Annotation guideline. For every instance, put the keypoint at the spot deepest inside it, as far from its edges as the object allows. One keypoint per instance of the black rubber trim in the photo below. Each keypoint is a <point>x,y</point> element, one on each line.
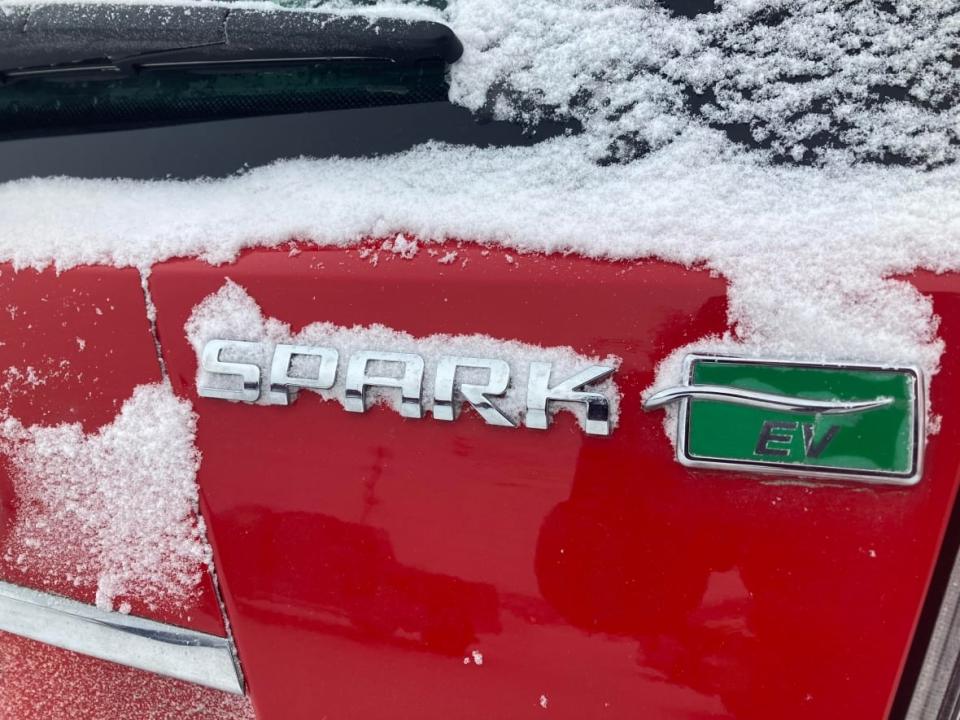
<point>65,35</point>
<point>928,616</point>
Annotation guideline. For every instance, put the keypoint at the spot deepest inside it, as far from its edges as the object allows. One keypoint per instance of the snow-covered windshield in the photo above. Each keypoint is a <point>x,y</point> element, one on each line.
<point>807,82</point>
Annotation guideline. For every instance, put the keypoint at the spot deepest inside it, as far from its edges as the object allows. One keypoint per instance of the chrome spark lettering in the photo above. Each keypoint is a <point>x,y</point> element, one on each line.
<point>237,364</point>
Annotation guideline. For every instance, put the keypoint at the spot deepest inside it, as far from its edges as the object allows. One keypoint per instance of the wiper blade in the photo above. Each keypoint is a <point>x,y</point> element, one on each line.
<point>106,69</point>
<point>70,40</point>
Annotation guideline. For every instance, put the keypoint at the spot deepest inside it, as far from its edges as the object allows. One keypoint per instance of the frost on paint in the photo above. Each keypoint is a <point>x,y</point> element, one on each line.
<point>231,313</point>
<point>40,682</point>
<point>115,509</point>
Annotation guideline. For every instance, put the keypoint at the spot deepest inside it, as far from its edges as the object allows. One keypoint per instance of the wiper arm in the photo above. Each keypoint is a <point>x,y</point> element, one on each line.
<point>83,40</point>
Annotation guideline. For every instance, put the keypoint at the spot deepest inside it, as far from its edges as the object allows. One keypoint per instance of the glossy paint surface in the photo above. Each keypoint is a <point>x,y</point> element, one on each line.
<point>73,346</point>
<point>381,567</point>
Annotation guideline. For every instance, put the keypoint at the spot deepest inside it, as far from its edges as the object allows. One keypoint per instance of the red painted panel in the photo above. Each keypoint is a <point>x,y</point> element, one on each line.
<point>40,682</point>
<point>73,346</point>
<point>365,557</point>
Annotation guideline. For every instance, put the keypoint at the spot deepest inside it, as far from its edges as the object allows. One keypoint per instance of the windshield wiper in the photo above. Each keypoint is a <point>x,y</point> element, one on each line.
<point>73,68</point>
<point>65,39</point>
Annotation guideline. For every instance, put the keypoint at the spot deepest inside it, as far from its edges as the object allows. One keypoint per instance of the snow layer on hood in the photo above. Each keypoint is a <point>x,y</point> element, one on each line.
<point>115,509</point>
<point>807,251</point>
<point>230,313</point>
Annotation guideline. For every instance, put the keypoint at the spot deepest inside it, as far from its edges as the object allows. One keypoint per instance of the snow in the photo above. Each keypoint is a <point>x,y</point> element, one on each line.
<point>400,9</point>
<point>230,313</point>
<point>878,76</point>
<point>115,509</point>
<point>400,245</point>
<point>808,252</point>
<point>15,381</point>
<point>475,657</point>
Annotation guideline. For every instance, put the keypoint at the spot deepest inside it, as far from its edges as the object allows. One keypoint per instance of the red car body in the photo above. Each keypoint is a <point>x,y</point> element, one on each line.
<point>373,566</point>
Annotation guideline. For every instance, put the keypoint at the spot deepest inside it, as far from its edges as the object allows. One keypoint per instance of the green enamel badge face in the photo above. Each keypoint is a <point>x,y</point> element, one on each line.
<point>840,421</point>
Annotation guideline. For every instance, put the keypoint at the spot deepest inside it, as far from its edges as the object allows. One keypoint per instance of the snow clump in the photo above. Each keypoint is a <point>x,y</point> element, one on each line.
<point>115,509</point>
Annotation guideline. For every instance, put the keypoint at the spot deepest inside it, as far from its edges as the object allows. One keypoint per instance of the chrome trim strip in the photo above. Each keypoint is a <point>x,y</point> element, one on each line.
<point>145,644</point>
<point>771,401</point>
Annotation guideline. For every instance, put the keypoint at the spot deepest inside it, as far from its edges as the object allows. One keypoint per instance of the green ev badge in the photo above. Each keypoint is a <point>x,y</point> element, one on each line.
<point>843,421</point>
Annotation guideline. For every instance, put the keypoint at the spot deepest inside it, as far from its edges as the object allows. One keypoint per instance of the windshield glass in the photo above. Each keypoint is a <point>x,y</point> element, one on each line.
<point>156,96</point>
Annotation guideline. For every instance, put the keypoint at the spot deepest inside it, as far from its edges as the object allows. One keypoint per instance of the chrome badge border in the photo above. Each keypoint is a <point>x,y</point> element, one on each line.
<point>799,471</point>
